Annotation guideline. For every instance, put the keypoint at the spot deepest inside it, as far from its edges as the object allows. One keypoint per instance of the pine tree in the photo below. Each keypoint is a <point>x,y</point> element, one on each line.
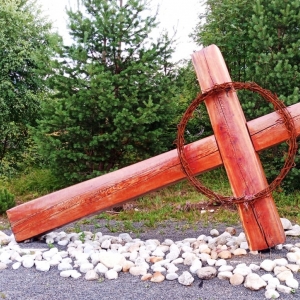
<point>260,42</point>
<point>113,92</point>
<point>25,50</point>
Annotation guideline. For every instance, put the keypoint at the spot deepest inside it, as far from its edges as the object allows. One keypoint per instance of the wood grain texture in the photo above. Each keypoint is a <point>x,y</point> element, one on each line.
<point>62,207</point>
<point>75,202</point>
<point>260,220</point>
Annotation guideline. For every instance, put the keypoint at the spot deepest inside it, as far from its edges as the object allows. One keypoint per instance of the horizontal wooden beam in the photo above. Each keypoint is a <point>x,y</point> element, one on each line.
<point>70,204</point>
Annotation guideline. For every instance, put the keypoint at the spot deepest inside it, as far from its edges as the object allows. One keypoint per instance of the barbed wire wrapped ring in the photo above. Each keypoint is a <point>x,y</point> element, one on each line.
<point>285,117</point>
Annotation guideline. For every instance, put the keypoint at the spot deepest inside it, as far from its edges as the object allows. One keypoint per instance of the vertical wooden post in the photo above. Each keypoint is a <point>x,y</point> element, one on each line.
<point>261,221</point>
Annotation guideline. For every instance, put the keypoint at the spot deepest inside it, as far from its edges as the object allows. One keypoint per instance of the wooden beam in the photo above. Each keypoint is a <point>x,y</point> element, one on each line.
<point>260,219</point>
<point>67,205</point>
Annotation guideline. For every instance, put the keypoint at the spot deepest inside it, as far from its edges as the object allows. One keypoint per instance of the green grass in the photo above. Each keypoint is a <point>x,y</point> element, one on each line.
<point>33,184</point>
<point>180,202</point>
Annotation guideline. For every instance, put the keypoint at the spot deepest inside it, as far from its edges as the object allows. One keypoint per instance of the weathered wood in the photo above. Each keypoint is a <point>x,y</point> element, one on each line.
<point>260,220</point>
<point>64,206</point>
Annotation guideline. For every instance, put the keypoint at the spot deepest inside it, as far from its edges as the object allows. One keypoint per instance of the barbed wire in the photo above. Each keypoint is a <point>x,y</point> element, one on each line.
<point>285,117</point>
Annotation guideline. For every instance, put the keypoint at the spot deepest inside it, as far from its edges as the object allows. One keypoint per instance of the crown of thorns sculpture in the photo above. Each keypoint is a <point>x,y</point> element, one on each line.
<point>285,117</point>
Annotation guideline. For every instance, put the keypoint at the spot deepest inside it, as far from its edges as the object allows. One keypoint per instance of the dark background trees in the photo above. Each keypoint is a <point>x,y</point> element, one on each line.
<point>260,42</point>
<point>113,92</point>
<point>25,50</point>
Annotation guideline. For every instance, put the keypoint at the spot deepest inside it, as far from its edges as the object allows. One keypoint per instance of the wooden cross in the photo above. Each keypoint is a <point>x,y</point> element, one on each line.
<point>234,145</point>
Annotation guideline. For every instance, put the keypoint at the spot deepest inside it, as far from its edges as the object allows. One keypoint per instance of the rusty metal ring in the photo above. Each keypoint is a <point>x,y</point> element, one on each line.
<point>285,117</point>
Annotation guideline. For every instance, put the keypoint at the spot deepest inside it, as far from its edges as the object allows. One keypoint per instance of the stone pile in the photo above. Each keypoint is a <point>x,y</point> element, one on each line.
<point>96,256</point>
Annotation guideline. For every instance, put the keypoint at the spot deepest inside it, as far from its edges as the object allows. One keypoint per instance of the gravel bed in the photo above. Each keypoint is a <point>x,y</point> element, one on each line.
<point>30,284</point>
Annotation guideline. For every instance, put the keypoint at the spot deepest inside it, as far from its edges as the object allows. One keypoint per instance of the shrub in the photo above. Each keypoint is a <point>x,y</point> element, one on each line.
<point>7,200</point>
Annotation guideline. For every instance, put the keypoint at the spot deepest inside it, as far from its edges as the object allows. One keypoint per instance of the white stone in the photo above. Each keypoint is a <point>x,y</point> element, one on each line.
<point>283,276</point>
<point>125,237</point>
<point>239,251</point>
<point>225,275</point>
<point>110,259</point>
<point>225,268</point>
<point>201,237</point>
<point>158,252</point>
<point>268,265</point>
<point>286,224</point>
<point>211,262</point>
<point>196,265</point>
<point>189,258</point>
<point>274,281</point>
<point>64,266</point>
<point>243,270</point>
<point>4,239</point>
<point>281,261</point>
<point>236,279</point>
<point>168,242</point>
<point>85,267</point>
<point>293,268</point>
<point>5,257</point>
<point>2,266</point>
<point>159,268</point>
<point>284,289</point>
<point>292,283</point>
<point>63,242</point>
<point>137,271</point>
<point>279,269</point>
<point>254,282</point>
<point>288,246</point>
<point>43,266</point>
<point>28,262</point>
<point>293,256</point>
<point>204,256</point>
<point>220,262</point>
<point>74,274</point>
<point>133,255</point>
<point>91,275</point>
<point>66,273</point>
<point>244,245</point>
<point>163,248</point>
<point>267,277</point>
<point>203,248</point>
<point>171,276</point>
<point>117,268</point>
<point>271,294</point>
<point>207,273</point>
<point>294,231</point>
<point>58,257</point>
<point>177,261</point>
<point>186,278</point>
<point>106,244</point>
<point>100,268</point>
<point>214,232</point>
<point>16,265</point>
<point>172,255</point>
<point>254,267</point>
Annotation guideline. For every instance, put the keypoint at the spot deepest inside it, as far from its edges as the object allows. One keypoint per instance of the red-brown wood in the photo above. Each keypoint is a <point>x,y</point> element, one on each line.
<point>59,208</point>
<point>260,220</point>
<point>62,207</point>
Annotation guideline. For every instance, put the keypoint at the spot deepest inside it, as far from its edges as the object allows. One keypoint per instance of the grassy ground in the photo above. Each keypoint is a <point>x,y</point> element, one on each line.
<point>180,202</point>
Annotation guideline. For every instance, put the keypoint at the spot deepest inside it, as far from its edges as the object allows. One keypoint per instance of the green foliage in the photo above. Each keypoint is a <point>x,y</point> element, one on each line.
<point>187,90</point>
<point>25,41</point>
<point>34,183</point>
<point>7,200</point>
<point>260,42</point>
<point>113,101</point>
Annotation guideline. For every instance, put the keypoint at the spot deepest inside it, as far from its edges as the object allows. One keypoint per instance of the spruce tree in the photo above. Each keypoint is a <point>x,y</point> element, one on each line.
<point>25,49</point>
<point>260,42</point>
<point>112,102</point>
